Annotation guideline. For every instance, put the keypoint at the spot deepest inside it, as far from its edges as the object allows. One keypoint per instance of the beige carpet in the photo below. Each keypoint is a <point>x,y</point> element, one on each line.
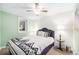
<point>52,51</point>
<point>55,51</point>
<point>4,51</point>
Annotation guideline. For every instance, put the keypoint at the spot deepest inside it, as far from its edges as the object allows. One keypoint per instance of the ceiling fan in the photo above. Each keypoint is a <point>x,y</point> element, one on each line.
<point>37,7</point>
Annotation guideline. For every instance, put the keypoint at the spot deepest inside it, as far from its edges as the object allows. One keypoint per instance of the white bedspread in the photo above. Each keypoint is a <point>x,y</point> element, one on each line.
<point>40,42</point>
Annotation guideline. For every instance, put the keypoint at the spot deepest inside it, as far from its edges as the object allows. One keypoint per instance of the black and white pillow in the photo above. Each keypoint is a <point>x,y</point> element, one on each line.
<point>24,41</point>
<point>15,39</point>
<point>29,44</point>
<point>33,51</point>
<point>28,48</point>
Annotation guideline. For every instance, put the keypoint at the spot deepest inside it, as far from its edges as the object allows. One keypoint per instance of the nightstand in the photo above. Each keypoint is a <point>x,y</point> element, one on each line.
<point>60,48</point>
<point>60,44</point>
<point>60,41</point>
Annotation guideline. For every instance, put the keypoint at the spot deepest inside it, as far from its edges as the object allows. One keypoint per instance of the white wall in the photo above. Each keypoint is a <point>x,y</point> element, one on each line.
<point>33,25</point>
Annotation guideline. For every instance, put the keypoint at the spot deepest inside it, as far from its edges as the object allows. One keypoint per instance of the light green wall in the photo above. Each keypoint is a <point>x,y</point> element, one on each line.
<point>9,28</point>
<point>76,37</point>
<point>76,41</point>
<point>0,29</point>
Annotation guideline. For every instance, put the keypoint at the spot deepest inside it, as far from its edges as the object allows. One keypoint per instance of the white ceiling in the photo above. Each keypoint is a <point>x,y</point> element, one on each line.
<point>19,9</point>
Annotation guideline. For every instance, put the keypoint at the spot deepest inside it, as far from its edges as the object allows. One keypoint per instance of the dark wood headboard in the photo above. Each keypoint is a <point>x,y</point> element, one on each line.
<point>51,32</point>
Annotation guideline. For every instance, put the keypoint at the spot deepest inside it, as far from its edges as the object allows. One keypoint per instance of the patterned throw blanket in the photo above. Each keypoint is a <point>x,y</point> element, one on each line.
<point>31,45</point>
<point>26,47</point>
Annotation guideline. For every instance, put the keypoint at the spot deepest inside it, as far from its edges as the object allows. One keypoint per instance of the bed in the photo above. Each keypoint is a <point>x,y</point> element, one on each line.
<point>32,45</point>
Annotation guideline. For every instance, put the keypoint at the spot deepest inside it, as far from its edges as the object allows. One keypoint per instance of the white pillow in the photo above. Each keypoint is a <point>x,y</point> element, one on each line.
<point>44,34</point>
<point>40,33</point>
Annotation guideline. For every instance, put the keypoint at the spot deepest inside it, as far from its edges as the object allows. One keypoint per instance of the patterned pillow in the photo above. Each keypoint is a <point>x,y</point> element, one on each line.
<point>15,39</point>
<point>29,44</point>
<point>19,41</point>
<point>28,48</point>
<point>35,50</point>
<point>24,41</point>
<point>32,50</point>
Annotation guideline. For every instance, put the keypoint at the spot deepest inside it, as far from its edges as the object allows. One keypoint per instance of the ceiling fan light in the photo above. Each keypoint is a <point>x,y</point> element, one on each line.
<point>36,12</point>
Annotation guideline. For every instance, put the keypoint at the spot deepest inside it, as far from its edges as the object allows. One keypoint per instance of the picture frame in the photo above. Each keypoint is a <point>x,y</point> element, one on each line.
<point>22,25</point>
